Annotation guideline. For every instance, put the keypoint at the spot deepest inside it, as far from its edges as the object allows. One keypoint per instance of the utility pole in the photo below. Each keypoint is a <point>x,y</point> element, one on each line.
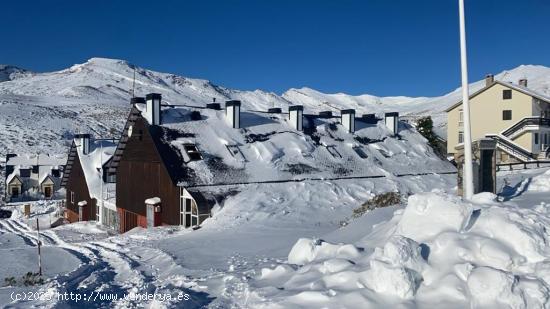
<point>468,179</point>
<point>38,244</point>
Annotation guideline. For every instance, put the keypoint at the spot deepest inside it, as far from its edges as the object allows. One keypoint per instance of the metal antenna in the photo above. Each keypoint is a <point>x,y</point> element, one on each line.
<point>134,84</point>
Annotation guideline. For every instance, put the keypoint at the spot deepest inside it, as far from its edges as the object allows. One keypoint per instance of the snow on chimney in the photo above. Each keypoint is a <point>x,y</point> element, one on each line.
<point>523,82</point>
<point>348,119</point>
<point>136,100</point>
<point>83,141</point>
<point>489,80</point>
<point>233,113</point>
<point>392,121</point>
<point>152,108</point>
<point>295,115</point>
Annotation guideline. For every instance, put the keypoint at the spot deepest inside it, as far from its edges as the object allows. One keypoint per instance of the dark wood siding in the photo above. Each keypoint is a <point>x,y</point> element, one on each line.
<point>141,174</point>
<point>77,183</point>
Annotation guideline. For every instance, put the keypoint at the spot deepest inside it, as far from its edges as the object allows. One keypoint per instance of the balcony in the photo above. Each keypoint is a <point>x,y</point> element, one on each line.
<point>526,124</point>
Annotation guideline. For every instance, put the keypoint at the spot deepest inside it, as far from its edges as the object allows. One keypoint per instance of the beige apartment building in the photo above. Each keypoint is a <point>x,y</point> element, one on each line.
<point>517,117</point>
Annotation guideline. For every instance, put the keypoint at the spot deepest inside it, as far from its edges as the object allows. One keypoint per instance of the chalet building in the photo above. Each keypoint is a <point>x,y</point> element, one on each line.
<point>515,116</point>
<point>174,164</point>
<point>89,186</point>
<point>33,177</point>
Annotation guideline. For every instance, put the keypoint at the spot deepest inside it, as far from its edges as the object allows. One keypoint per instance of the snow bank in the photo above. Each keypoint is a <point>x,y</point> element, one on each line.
<point>540,183</point>
<point>438,251</point>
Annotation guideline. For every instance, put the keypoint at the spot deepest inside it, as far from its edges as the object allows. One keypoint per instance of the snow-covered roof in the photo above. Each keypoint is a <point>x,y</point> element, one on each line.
<point>268,149</point>
<point>13,176</point>
<point>36,159</point>
<point>100,152</point>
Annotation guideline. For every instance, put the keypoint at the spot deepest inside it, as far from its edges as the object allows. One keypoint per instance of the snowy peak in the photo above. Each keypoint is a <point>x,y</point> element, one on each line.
<point>9,72</point>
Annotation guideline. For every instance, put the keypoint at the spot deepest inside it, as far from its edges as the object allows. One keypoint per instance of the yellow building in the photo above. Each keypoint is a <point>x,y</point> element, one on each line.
<point>517,117</point>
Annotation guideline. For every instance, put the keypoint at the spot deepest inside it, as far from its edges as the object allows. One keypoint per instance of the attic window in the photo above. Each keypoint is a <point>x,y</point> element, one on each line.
<point>332,150</point>
<point>360,152</point>
<point>235,152</point>
<point>192,152</point>
<point>507,94</point>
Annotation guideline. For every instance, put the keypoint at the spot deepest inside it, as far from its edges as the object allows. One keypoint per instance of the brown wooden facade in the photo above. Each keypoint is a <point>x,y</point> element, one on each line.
<point>77,191</point>
<point>141,174</point>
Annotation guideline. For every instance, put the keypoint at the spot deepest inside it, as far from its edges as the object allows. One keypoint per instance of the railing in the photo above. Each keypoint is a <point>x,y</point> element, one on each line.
<point>512,148</point>
<point>527,121</point>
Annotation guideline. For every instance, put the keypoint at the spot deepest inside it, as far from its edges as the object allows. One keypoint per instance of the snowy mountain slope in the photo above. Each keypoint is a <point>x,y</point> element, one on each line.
<point>9,72</point>
<point>110,80</point>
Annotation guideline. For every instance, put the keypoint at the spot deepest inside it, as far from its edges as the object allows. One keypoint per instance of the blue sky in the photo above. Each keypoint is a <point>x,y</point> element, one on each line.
<point>400,47</point>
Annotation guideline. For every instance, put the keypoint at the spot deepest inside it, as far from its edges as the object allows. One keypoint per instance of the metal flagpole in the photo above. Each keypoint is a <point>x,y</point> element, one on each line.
<point>468,179</point>
<point>100,212</point>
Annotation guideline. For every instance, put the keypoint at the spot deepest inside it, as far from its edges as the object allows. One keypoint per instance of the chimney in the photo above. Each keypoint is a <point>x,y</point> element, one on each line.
<point>214,105</point>
<point>348,119</point>
<point>295,115</point>
<point>152,108</point>
<point>136,100</point>
<point>83,141</point>
<point>233,113</point>
<point>523,82</point>
<point>489,80</point>
<point>392,121</point>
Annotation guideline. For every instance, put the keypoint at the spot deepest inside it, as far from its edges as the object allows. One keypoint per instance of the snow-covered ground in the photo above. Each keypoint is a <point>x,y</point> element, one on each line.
<point>299,247</point>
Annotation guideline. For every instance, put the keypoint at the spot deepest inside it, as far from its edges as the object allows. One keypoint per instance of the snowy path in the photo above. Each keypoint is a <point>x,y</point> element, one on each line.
<point>111,268</point>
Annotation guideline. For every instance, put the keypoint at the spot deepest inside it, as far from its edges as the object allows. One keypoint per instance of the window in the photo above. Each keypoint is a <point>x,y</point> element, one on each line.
<point>507,94</point>
<point>334,152</point>
<point>35,169</point>
<point>460,118</point>
<point>72,197</point>
<point>56,173</point>
<point>189,215</point>
<point>14,191</point>
<point>192,152</point>
<point>507,115</point>
<point>536,135</point>
<point>460,137</point>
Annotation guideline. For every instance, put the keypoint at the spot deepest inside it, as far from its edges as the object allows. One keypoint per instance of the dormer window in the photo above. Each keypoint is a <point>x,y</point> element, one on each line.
<point>192,152</point>
<point>507,94</point>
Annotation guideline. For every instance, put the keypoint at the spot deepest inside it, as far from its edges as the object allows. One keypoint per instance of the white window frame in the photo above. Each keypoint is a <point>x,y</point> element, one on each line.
<point>182,207</point>
<point>460,137</point>
<point>460,118</point>
<point>184,212</point>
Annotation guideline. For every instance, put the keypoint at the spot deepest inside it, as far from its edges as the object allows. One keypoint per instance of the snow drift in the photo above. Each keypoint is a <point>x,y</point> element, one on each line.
<point>438,251</point>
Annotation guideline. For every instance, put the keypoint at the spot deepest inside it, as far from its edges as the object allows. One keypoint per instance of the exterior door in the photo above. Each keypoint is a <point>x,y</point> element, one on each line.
<point>48,192</point>
<point>150,216</point>
<point>15,192</point>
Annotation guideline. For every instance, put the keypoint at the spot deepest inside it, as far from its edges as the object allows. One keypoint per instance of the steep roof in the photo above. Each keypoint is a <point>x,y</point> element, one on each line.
<point>268,149</point>
<point>525,90</point>
<point>100,152</point>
